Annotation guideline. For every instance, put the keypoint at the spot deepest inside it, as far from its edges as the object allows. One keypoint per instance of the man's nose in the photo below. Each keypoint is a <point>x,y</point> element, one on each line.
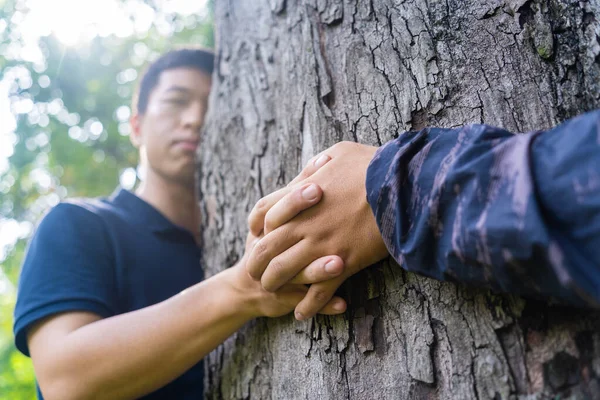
<point>193,116</point>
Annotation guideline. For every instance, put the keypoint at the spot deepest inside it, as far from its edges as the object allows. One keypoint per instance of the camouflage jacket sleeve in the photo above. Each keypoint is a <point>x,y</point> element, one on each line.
<point>513,212</point>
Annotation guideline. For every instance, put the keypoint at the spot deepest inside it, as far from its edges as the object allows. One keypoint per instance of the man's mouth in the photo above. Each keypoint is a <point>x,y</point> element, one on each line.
<point>186,145</point>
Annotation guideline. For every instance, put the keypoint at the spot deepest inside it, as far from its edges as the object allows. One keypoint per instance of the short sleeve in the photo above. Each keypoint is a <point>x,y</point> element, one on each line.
<point>69,266</point>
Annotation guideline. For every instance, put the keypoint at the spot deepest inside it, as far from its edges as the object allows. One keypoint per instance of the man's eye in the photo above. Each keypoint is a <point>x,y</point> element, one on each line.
<point>177,101</point>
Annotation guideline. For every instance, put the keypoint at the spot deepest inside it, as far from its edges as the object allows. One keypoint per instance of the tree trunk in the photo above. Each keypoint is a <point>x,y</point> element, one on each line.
<point>295,77</point>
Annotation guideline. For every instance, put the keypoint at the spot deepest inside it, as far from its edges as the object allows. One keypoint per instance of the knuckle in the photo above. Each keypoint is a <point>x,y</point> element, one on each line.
<point>261,205</point>
<point>276,267</point>
<point>311,218</point>
<point>320,295</point>
<point>260,251</point>
<point>285,233</point>
<point>345,145</point>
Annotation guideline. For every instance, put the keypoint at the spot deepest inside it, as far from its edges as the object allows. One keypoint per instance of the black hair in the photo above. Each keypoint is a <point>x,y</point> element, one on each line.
<point>200,59</point>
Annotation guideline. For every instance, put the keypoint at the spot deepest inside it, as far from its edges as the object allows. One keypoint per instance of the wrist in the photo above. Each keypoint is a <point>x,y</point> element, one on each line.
<point>242,292</point>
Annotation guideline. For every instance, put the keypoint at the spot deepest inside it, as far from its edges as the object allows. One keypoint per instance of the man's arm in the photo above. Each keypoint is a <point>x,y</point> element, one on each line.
<point>480,205</point>
<point>79,354</point>
<point>517,213</point>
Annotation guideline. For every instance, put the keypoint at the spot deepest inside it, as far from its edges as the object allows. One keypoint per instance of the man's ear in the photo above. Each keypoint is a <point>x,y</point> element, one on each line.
<point>136,130</point>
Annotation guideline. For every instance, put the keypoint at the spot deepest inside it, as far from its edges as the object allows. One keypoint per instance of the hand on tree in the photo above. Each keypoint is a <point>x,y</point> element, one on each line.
<point>262,303</point>
<point>282,301</point>
<point>341,223</point>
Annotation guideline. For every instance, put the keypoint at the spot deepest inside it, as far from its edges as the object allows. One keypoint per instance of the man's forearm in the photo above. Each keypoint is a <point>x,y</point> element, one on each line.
<point>477,204</point>
<point>132,354</point>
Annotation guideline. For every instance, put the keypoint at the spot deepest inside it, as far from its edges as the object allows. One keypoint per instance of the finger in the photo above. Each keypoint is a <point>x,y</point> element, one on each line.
<point>257,215</point>
<point>256,219</point>
<point>335,306</point>
<point>316,298</point>
<point>311,167</point>
<point>291,205</point>
<point>267,248</point>
<point>285,266</point>
<point>251,241</point>
<point>320,270</point>
<point>291,295</point>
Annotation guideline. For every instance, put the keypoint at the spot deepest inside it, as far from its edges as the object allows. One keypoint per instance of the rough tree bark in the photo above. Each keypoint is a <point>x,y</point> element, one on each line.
<point>295,77</point>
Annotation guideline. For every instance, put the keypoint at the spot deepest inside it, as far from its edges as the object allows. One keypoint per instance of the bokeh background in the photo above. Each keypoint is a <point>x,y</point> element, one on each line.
<point>67,72</point>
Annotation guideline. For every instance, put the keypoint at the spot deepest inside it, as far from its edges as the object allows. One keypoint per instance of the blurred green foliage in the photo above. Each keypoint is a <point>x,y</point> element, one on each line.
<point>71,137</point>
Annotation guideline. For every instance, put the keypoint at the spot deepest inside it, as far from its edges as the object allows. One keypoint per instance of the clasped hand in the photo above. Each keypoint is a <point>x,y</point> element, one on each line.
<point>319,230</point>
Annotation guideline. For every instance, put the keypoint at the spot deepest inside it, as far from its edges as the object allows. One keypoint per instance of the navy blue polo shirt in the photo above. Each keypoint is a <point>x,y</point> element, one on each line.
<point>107,256</point>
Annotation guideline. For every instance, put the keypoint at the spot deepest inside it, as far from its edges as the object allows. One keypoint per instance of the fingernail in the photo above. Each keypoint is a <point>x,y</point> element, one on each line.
<point>322,160</point>
<point>332,267</point>
<point>310,192</point>
<point>299,316</point>
<point>339,305</point>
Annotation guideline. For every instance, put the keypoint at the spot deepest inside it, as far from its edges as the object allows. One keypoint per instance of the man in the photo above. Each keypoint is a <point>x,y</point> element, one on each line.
<point>111,301</point>
<point>476,204</point>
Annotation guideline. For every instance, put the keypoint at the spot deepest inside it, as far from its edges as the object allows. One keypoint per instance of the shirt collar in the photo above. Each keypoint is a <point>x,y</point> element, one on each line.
<point>141,212</point>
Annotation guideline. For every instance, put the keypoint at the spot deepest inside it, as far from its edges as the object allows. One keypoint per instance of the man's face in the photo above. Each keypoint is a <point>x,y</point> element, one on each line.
<point>169,131</point>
